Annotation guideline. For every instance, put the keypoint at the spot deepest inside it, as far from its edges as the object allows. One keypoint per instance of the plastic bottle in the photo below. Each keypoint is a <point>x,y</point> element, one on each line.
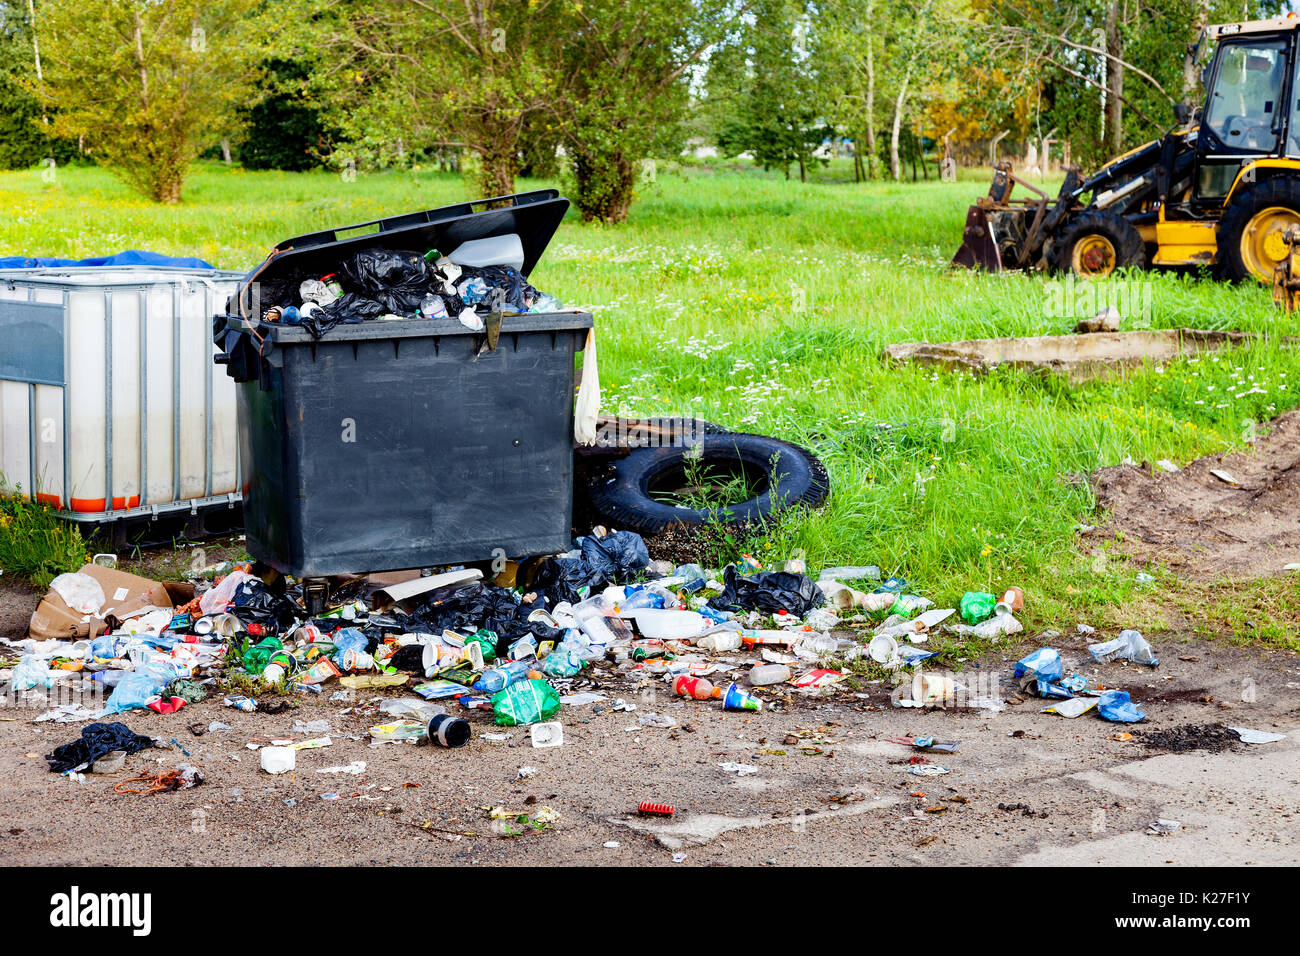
<point>433,307</point>
<point>720,641</point>
<point>696,687</point>
<point>497,678</point>
<point>598,621</point>
<point>1130,645</point>
<point>641,598</point>
<point>694,576</point>
<point>765,674</point>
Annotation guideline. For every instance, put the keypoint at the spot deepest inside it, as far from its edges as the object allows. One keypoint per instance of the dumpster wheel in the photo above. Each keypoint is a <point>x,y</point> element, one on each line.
<point>731,478</point>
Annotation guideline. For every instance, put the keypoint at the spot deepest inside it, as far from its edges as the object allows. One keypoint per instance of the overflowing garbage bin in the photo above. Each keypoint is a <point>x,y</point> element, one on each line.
<point>406,433</point>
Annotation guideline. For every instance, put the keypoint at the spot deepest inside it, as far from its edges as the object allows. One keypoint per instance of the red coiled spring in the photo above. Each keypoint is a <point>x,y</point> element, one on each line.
<point>649,809</point>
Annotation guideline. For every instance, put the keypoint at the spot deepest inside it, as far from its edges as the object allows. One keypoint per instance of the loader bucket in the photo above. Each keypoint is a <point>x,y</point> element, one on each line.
<point>979,248</point>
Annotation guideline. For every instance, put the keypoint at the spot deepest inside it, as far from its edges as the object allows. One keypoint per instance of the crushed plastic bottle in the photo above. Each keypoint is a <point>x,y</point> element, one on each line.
<point>1129,646</point>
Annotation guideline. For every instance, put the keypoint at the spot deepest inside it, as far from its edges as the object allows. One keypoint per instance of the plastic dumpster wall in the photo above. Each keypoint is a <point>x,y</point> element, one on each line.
<point>407,444</point>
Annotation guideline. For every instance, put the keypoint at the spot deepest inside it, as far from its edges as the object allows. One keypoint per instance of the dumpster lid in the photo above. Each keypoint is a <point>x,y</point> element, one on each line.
<point>533,216</point>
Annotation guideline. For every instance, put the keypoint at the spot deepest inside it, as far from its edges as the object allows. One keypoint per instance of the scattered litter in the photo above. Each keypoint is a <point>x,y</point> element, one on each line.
<point>1164,827</point>
<point>656,720</point>
<point>739,769</point>
<point>926,770</point>
<point>1073,707</point>
<point>1249,736</point>
<point>547,735</point>
<point>1129,646</point>
<point>355,768</point>
<point>278,760</point>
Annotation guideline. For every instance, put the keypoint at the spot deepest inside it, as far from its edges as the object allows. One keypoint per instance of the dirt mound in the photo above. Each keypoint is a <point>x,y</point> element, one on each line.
<point>1203,526</point>
<point>1211,737</point>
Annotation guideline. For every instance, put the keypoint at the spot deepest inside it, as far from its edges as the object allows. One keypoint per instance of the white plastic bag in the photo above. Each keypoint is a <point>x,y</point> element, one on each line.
<point>588,406</point>
<point>31,672</point>
<point>79,591</point>
<point>218,597</point>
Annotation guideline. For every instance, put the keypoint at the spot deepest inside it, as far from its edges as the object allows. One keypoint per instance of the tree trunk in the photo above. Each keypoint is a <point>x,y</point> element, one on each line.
<point>1115,78</point>
<point>225,151</point>
<point>871,103</point>
<point>1191,76</point>
<point>36,58</point>
<point>803,174</point>
<point>895,166</point>
<point>604,186</point>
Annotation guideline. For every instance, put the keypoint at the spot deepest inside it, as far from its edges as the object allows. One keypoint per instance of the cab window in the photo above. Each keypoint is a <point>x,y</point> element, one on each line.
<point>1244,106</point>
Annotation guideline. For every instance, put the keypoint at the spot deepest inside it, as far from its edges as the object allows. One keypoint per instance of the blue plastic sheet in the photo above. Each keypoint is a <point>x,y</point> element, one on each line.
<point>1116,706</point>
<point>131,257</point>
<point>1044,664</point>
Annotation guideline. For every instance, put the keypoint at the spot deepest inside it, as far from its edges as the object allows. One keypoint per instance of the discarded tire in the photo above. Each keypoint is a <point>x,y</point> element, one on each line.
<point>636,492</point>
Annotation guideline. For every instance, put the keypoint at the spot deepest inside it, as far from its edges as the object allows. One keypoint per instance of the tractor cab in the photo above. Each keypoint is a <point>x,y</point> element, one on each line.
<point>1252,104</point>
<point>1221,189</point>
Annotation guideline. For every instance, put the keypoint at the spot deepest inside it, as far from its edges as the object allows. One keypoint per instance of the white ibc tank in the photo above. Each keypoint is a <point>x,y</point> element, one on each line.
<point>108,397</point>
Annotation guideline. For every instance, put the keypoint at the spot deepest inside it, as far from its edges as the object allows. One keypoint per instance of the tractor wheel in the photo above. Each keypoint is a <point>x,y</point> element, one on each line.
<point>1095,243</point>
<point>1251,230</point>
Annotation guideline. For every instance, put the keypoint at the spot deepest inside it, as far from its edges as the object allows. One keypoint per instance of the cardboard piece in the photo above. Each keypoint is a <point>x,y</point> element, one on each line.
<point>408,593</point>
<point>125,595</point>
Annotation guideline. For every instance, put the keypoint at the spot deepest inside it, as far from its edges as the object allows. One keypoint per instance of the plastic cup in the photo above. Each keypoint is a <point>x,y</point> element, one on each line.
<point>882,649</point>
<point>737,699</point>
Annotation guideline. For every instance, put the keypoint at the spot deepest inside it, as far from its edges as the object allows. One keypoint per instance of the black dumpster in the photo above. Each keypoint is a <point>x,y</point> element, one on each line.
<point>402,444</point>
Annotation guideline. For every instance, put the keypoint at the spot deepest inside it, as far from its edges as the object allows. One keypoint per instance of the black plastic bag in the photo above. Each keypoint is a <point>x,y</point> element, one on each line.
<point>558,580</point>
<point>349,308</point>
<point>617,557</point>
<point>396,280</point>
<point>515,287</point>
<point>769,592</point>
<point>254,603</point>
<point>409,659</point>
<point>96,741</point>
<point>480,605</point>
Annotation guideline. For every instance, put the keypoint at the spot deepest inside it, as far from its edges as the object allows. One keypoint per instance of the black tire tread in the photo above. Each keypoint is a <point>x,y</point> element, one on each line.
<point>614,498</point>
<point>1130,250</point>
<point>1274,191</point>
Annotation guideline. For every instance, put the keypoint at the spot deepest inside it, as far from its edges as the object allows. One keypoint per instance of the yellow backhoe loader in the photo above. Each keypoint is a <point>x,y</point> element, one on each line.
<point>1220,189</point>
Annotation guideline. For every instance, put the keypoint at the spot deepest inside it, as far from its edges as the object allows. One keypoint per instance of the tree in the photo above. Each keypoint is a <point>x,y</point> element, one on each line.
<point>406,76</point>
<point>283,128</point>
<point>24,128</point>
<point>850,42</point>
<point>766,82</point>
<point>145,82</point>
<point>625,69</point>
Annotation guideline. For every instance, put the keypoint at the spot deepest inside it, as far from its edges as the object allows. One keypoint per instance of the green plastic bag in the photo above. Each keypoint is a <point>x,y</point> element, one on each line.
<point>257,656</point>
<point>525,702</point>
<point>487,640</point>
<point>977,606</point>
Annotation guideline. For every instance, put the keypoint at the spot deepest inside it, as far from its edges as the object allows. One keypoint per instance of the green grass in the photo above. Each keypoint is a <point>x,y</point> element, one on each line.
<point>762,305</point>
<point>36,544</point>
